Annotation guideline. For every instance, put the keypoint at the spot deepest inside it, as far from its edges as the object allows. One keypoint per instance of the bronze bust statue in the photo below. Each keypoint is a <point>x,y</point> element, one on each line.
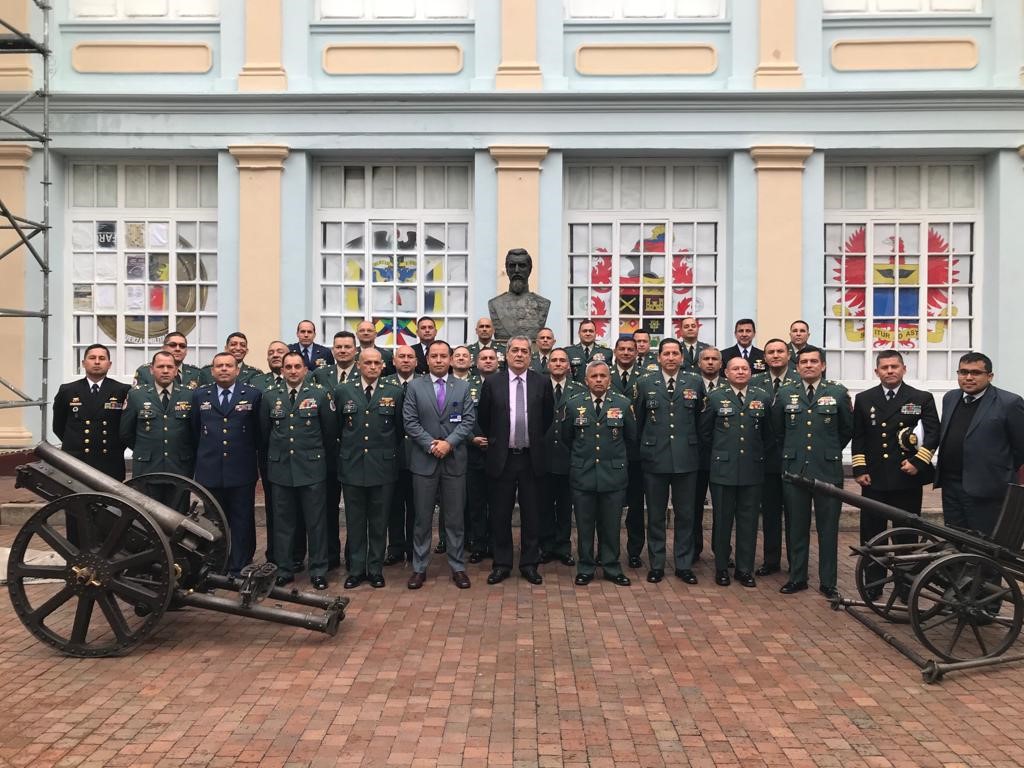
<point>518,311</point>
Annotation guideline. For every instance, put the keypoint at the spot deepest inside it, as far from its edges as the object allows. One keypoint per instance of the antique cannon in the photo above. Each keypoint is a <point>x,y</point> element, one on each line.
<point>111,544</point>
<point>959,590</point>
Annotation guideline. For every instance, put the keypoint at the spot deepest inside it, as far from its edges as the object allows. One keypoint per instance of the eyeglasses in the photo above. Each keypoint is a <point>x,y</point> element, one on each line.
<point>177,344</point>
<point>971,372</point>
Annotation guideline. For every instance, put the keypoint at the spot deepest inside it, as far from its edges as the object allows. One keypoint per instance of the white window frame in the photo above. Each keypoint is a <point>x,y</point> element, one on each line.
<point>176,11</point>
<point>649,10</point>
<point>329,323</point>
<point>887,7</point>
<point>618,217</point>
<point>121,369</point>
<point>423,12</point>
<point>922,216</point>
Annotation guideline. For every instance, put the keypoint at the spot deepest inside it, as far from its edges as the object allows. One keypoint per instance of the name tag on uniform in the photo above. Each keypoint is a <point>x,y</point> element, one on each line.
<point>911,410</point>
<point>793,408</point>
<point>113,405</point>
<point>243,406</point>
<point>725,410</point>
<point>455,418</point>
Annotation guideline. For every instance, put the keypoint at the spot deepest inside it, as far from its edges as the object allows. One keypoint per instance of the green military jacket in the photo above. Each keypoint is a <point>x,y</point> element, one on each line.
<point>370,433</point>
<point>765,381</point>
<point>267,381</point>
<point>245,375</point>
<point>407,444</point>
<point>188,376</point>
<point>668,427</point>
<point>327,376</point>
<point>649,362</point>
<point>739,435</point>
<point>298,437</point>
<point>474,349</point>
<point>556,449</point>
<point>386,356</point>
<point>814,434</point>
<point>773,450</point>
<point>579,359</point>
<point>161,440</point>
<point>598,442</point>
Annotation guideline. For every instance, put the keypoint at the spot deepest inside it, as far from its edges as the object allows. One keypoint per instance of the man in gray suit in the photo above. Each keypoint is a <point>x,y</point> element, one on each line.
<point>439,416</point>
<point>981,446</point>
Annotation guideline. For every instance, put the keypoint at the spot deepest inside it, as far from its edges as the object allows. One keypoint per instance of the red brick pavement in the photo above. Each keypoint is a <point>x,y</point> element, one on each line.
<point>511,675</point>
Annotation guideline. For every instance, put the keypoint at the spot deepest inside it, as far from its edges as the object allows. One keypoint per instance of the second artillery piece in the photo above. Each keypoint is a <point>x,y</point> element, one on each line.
<point>959,590</point>
<point>101,544</point>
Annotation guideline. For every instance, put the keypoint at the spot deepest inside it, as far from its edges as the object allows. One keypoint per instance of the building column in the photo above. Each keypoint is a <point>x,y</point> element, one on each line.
<point>263,70</point>
<point>16,68</point>
<point>518,69</point>
<point>259,240</point>
<point>777,65</point>
<point>14,160</point>
<point>518,169</point>
<point>779,232</point>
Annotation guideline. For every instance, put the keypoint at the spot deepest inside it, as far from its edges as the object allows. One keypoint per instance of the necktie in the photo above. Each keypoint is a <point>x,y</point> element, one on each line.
<point>744,354</point>
<point>291,396</point>
<point>810,392</point>
<point>597,406</point>
<point>405,385</point>
<point>544,362</point>
<point>775,384</point>
<point>519,428</point>
<point>625,379</point>
<point>739,396</point>
<point>439,388</point>
<point>164,398</point>
<point>689,354</point>
<point>95,389</point>
<point>277,381</point>
<point>369,392</point>
<point>889,394</point>
<point>968,399</point>
<point>671,384</point>
<point>342,375</point>
<point>305,355</point>
<point>224,395</point>
<point>558,391</point>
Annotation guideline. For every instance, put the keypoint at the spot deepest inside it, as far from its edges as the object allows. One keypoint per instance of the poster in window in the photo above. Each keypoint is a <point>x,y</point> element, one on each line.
<point>106,234</point>
<point>135,266</point>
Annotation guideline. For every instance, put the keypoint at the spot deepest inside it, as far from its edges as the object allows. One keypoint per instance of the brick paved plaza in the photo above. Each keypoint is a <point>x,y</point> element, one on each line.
<point>553,675</point>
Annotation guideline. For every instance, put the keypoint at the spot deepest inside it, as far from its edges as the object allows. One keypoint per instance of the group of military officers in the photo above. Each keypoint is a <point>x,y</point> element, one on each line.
<point>631,427</point>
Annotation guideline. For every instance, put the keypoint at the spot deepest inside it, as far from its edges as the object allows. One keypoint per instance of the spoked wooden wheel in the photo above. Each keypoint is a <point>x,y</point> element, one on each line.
<point>887,567</point>
<point>965,606</point>
<point>87,550</point>
<point>188,497</point>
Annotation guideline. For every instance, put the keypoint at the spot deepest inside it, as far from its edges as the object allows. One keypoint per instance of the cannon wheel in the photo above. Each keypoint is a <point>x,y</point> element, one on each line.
<point>955,608</point>
<point>190,498</point>
<point>900,553</point>
<point>104,552</point>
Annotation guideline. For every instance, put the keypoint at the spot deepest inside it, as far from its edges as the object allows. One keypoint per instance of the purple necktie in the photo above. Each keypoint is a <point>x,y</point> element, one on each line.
<point>439,386</point>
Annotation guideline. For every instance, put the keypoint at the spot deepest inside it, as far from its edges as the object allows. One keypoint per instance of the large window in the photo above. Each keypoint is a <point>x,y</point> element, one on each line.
<point>391,10</point>
<point>643,9</point>
<point>393,244</point>
<point>142,259</point>
<point>643,246</point>
<point>142,10</point>
<point>902,6</point>
<point>900,266</point>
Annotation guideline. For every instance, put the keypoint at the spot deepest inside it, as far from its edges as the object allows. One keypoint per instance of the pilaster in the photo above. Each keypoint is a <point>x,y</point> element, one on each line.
<point>263,69</point>
<point>518,171</point>
<point>777,65</point>
<point>519,69</point>
<point>15,68</point>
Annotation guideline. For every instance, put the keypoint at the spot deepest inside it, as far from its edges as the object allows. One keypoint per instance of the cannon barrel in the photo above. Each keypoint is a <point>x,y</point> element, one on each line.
<point>970,540</point>
<point>170,521</point>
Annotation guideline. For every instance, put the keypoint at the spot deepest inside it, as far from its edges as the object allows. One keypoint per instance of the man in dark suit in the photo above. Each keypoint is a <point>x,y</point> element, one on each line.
<point>87,415</point>
<point>225,427</point>
<point>690,344</point>
<point>981,446</point>
<point>744,331</point>
<point>402,516</point>
<point>439,416</point>
<point>426,330</point>
<point>516,409</point>
<point>314,355</point>
<point>366,332</point>
<point>556,506</point>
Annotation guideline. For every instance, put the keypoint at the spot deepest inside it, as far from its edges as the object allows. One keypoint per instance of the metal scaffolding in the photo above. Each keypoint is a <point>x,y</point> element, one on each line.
<point>27,231</point>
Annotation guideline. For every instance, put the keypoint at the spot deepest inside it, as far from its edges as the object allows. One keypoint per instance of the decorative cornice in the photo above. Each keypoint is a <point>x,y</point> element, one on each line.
<point>14,156</point>
<point>518,157</point>
<point>780,157</point>
<point>259,157</point>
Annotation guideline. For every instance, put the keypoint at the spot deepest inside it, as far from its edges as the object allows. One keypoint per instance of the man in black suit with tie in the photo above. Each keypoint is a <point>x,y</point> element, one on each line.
<point>313,355</point>
<point>744,331</point>
<point>426,330</point>
<point>87,415</point>
<point>981,446</point>
<point>516,409</point>
<point>690,344</point>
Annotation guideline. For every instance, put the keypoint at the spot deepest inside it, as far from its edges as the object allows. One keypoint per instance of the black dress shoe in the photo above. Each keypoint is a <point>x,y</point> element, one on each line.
<point>354,581</point>
<point>532,575</point>
<point>636,562</point>
<point>461,579</point>
<point>655,575</point>
<point>793,586</point>
<point>582,579</point>
<point>376,580</point>
<point>281,581</point>
<point>766,570</point>
<point>746,579</point>
<point>722,578</point>
<point>476,557</point>
<point>568,560</point>
<point>441,548</point>
<point>686,575</point>
<point>620,581</point>
<point>319,583</point>
<point>416,580</point>
<point>829,592</point>
<point>498,575</point>
<point>393,558</point>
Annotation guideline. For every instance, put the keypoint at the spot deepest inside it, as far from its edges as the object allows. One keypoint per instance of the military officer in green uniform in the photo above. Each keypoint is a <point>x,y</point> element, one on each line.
<point>477,520</point>
<point>237,346</point>
<point>774,519</point>
<point>544,344</point>
<point>625,376</point>
<point>276,351</point>
<point>736,424</point>
<point>402,514</point>
<point>692,346</point>
<point>370,435</point>
<point>366,334</point>
<point>187,375</point>
<point>799,333</point>
<point>299,427</point>
<point>485,340</point>
<point>156,425</point>
<point>581,354</point>
<point>598,425</point>
<point>815,418</point>
<point>556,497</point>
<point>646,358</point>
